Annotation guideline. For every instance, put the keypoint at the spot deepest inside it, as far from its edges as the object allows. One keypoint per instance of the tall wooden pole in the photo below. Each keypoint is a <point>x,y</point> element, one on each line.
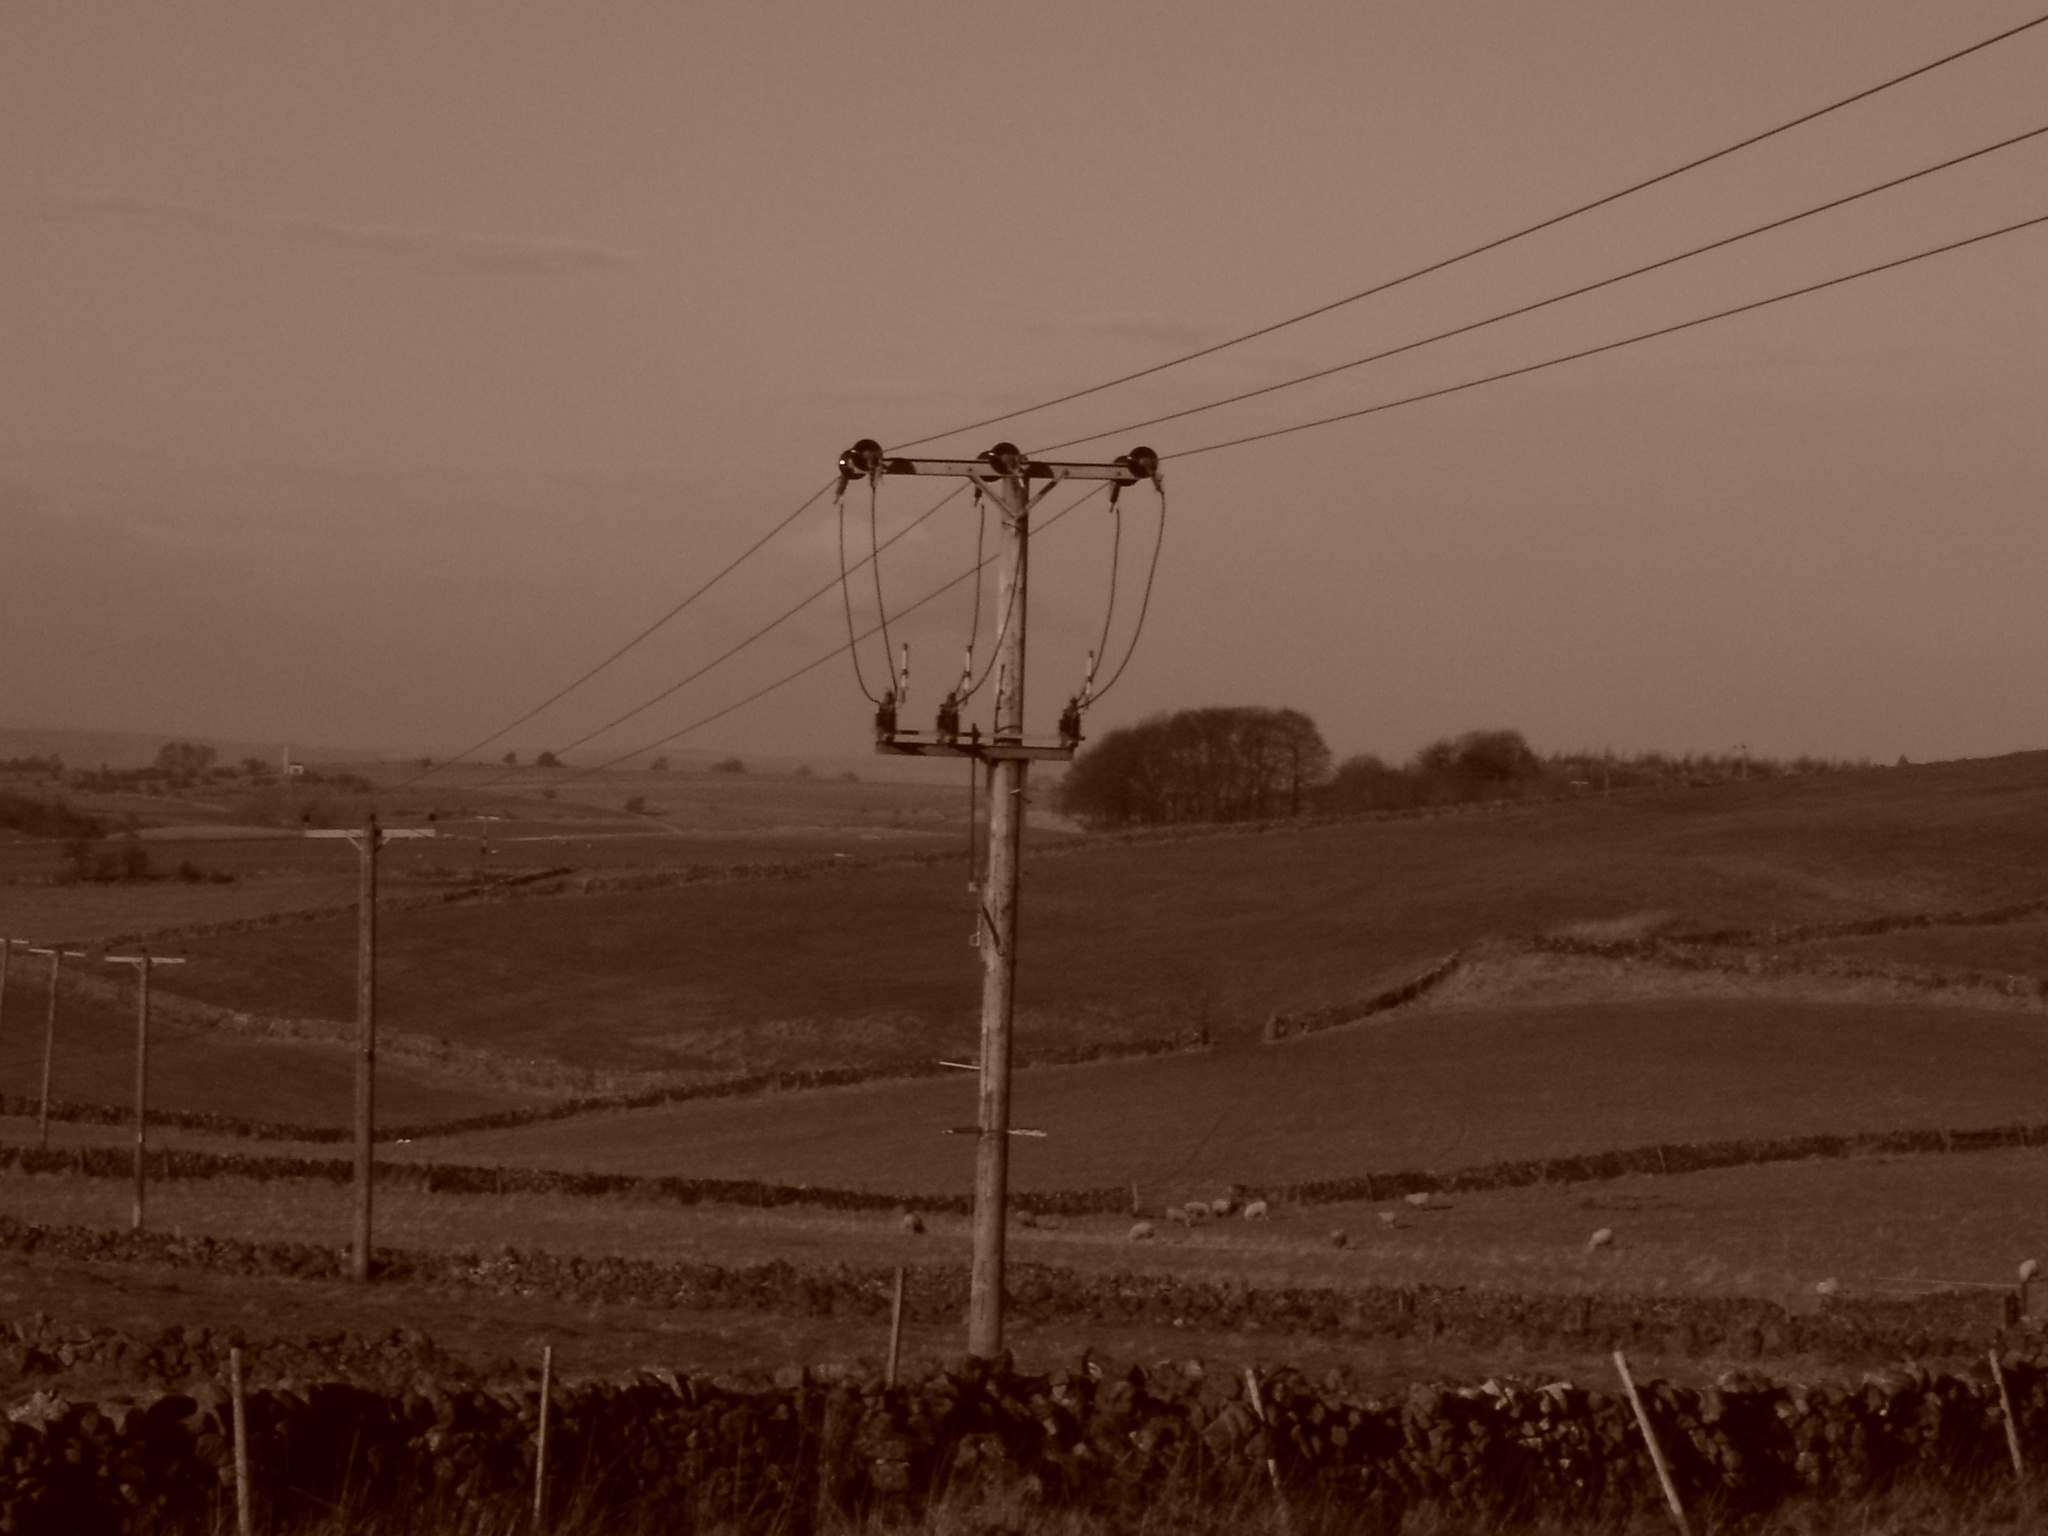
<point>6,964</point>
<point>141,1083</point>
<point>56,952</point>
<point>366,1048</point>
<point>998,928</point>
<point>143,962</point>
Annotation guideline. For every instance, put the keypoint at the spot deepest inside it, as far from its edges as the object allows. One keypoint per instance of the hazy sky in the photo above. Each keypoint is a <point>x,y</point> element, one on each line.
<point>368,371</point>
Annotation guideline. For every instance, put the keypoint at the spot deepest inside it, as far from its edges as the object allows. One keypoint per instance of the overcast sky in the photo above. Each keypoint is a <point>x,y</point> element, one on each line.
<point>368,371</point>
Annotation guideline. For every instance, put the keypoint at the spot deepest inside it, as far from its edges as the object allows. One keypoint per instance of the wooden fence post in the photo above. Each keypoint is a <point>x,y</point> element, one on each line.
<point>244,1517</point>
<point>895,1329</point>
<point>1656,1451</point>
<point>540,1457</point>
<point>1251,1386</point>
<point>2012,1441</point>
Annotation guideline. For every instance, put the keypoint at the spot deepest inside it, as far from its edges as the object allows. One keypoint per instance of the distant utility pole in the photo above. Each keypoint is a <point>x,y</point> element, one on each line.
<point>6,964</point>
<point>57,954</point>
<point>143,963</point>
<point>367,841</point>
<point>1004,474</point>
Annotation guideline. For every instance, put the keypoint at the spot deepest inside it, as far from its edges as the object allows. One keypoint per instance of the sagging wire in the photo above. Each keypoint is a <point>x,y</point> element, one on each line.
<point>1089,693</point>
<point>846,602</point>
<point>950,706</point>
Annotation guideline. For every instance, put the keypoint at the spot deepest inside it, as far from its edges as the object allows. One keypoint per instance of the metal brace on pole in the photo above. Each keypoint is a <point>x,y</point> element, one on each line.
<point>144,963</point>
<point>1005,475</point>
<point>367,841</point>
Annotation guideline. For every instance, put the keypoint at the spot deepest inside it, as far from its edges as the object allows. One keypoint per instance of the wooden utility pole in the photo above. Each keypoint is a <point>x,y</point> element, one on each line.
<point>1004,474</point>
<point>6,964</point>
<point>367,841</point>
<point>997,923</point>
<point>57,954</point>
<point>143,963</point>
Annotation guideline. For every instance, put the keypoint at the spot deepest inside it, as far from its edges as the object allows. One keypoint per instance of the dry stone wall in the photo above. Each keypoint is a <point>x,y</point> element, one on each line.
<point>377,1425</point>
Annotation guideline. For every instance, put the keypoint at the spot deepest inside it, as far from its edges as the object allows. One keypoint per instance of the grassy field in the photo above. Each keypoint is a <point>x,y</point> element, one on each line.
<point>1409,1091</point>
<point>298,1082</point>
<point>1998,949</point>
<point>1141,937</point>
<point>1877,1226</point>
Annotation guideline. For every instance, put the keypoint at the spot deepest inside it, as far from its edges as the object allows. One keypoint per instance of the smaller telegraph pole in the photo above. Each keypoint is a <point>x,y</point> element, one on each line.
<point>367,840</point>
<point>57,954</point>
<point>143,963</point>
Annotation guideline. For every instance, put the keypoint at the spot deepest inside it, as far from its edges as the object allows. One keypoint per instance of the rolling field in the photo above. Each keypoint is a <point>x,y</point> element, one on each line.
<point>1409,1091</point>
<point>297,1082</point>
<point>1143,937</point>
<point>1992,948</point>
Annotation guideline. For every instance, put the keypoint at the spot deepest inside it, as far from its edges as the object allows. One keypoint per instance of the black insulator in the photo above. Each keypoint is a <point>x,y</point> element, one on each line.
<point>1070,724</point>
<point>864,458</point>
<point>949,719</point>
<point>1004,458</point>
<point>885,718</point>
<point>1142,463</point>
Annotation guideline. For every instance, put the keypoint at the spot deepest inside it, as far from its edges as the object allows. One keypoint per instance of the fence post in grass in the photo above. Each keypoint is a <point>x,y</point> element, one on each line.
<point>540,1457</point>
<point>2012,1440</point>
<point>142,963</point>
<point>895,1328</point>
<point>1251,1387</point>
<point>1635,1401</point>
<point>244,1521</point>
<point>57,954</point>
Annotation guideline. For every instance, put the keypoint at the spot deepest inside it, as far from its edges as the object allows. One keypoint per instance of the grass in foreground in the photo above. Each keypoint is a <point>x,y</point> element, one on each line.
<point>1877,1225</point>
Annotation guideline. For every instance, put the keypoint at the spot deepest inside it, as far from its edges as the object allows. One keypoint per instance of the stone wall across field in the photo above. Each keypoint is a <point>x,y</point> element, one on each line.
<point>1842,1331</point>
<point>682,1452</point>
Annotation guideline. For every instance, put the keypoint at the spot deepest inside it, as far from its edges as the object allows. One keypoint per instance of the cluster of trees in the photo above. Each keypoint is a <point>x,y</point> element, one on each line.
<point>1250,764</point>
<point>1217,764</point>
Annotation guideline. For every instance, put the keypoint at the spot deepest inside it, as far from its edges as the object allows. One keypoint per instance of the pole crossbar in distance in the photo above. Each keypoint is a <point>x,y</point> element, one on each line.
<point>1004,474</point>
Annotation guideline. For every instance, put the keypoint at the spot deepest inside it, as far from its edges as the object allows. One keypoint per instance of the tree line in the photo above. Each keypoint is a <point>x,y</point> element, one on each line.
<point>1248,763</point>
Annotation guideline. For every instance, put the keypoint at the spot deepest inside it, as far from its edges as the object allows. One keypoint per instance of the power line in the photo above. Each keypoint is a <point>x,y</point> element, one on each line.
<point>554,698</point>
<point>1610,346</point>
<point>584,677</point>
<point>1490,245</point>
<point>1558,298</point>
<point>973,571</point>
<point>1255,437</point>
<point>733,650</point>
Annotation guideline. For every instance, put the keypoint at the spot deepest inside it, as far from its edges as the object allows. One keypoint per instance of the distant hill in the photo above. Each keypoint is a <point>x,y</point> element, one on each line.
<point>137,749</point>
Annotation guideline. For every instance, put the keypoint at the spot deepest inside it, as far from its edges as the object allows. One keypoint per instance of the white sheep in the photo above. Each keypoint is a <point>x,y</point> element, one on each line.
<point>1176,1215</point>
<point>1141,1232</point>
<point>1222,1205</point>
<point>2028,1269</point>
<point>1604,1238</point>
<point>1255,1210</point>
<point>912,1223</point>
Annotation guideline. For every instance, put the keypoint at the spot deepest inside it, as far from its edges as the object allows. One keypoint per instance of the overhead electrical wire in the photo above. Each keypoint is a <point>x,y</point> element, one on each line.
<point>1241,441</point>
<point>577,682</point>
<point>812,666</point>
<point>724,571</point>
<point>1091,693</point>
<point>733,650</point>
<point>1556,298</point>
<point>1481,249</point>
<point>1611,346</point>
